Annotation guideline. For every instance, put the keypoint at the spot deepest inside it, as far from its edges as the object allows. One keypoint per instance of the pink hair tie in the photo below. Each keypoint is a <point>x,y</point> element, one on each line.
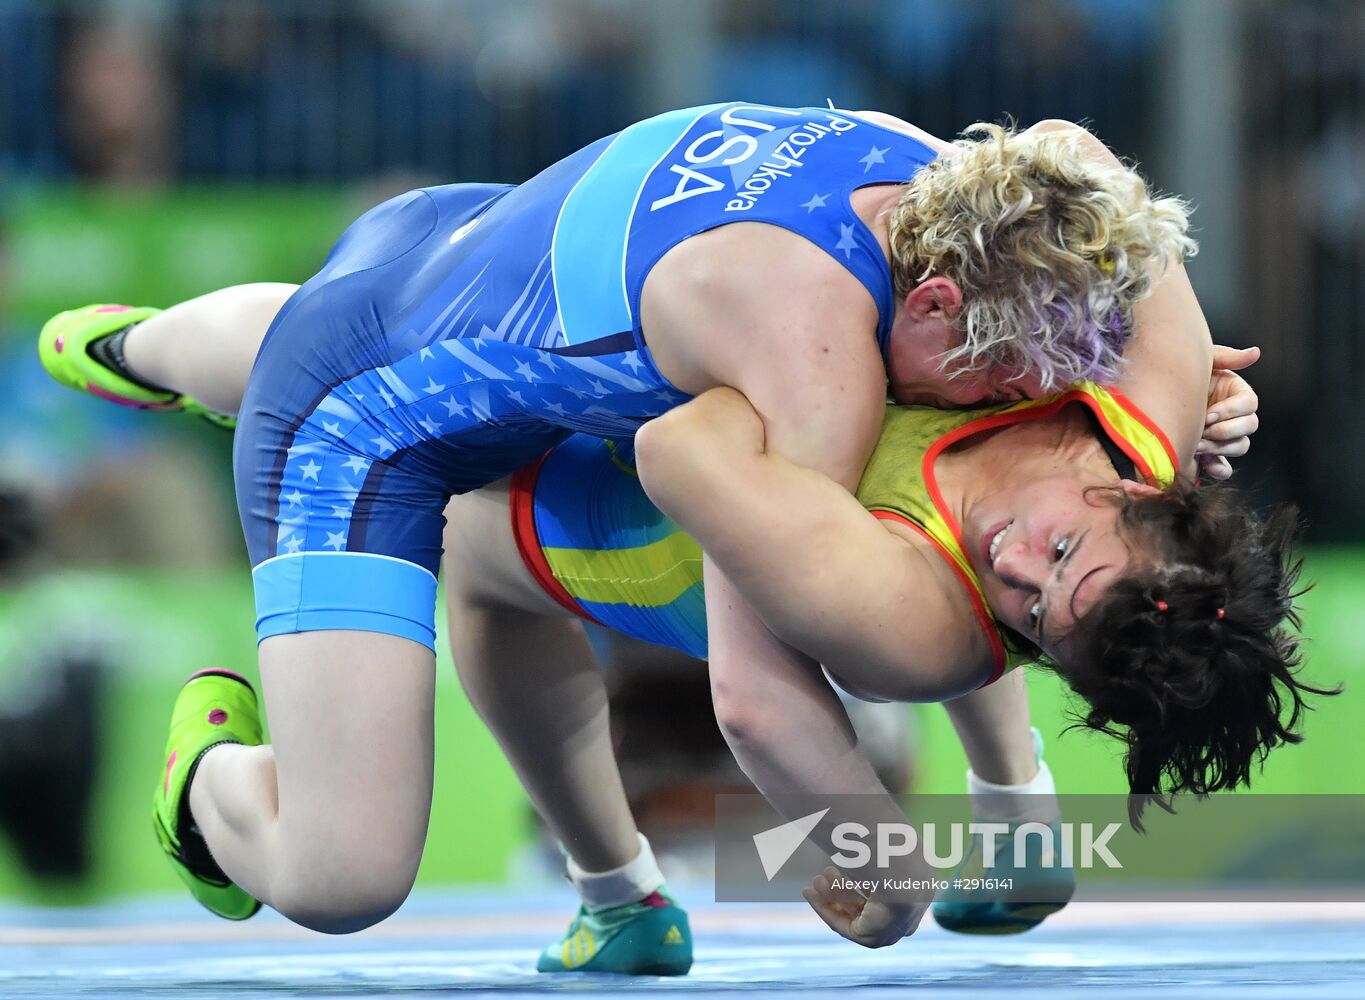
<point>1220,614</point>
<point>1162,606</point>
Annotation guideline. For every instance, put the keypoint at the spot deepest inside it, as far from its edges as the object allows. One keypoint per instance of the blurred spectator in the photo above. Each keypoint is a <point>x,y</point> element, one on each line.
<point>945,65</point>
<point>49,720</point>
<point>29,56</point>
<point>1305,252</point>
<point>796,54</point>
<point>119,105</point>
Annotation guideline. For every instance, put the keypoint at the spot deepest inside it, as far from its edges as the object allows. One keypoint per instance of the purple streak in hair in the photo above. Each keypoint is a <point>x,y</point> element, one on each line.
<point>1083,344</point>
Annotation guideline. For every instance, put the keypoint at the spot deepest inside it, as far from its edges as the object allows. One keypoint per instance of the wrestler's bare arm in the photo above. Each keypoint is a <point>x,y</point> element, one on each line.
<point>863,596</point>
<point>1169,360</point>
<point>765,311</point>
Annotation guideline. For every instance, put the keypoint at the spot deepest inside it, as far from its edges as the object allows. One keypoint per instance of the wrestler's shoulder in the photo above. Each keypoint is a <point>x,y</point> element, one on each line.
<point>748,262</point>
<point>895,124</point>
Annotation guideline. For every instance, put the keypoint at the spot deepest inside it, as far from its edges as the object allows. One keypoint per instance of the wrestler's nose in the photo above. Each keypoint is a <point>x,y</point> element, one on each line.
<point>1018,565</point>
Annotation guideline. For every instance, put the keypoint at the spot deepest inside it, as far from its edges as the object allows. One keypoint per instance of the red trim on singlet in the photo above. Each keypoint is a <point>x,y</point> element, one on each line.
<point>997,420</point>
<point>521,503</point>
<point>1137,414</point>
<point>983,615</point>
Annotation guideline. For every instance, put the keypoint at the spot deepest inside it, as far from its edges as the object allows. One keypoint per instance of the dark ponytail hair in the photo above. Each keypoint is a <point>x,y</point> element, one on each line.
<point>1195,654</point>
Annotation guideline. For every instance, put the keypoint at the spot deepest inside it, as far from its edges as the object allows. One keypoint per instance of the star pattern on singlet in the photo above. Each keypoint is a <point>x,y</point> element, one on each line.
<point>846,243</point>
<point>436,393</point>
<point>873,157</point>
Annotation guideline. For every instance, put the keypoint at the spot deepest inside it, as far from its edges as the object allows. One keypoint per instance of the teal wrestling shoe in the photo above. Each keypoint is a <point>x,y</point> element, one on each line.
<point>1010,899</point>
<point>648,938</point>
<point>214,706</point>
<point>1019,899</point>
<point>65,349</point>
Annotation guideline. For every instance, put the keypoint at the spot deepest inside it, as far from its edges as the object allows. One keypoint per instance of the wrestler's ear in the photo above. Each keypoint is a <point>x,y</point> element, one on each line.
<point>935,297</point>
<point>1135,489</point>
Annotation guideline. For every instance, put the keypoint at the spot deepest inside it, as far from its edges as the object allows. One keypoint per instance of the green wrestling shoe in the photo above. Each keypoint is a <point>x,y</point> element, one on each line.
<point>64,348</point>
<point>1027,896</point>
<point>648,938</point>
<point>214,706</point>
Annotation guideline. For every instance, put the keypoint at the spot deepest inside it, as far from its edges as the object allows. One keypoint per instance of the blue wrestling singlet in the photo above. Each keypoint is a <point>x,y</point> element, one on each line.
<point>456,333</point>
<point>599,548</point>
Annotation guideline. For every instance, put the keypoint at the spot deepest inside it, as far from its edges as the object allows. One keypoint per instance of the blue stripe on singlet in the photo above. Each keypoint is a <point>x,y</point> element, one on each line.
<point>312,591</point>
<point>588,253</point>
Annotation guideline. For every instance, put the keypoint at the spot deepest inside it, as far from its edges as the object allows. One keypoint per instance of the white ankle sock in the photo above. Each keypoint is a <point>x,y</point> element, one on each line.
<point>630,883</point>
<point>1033,801</point>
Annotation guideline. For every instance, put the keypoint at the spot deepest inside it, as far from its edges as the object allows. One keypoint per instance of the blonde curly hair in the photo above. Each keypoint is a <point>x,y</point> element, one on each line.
<point>1050,248</point>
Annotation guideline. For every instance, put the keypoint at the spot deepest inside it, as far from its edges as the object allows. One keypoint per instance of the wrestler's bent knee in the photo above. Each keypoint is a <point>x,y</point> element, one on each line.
<point>321,901</point>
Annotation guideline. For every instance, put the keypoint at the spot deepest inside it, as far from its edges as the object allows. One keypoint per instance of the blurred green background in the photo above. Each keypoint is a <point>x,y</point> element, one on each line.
<point>152,150</point>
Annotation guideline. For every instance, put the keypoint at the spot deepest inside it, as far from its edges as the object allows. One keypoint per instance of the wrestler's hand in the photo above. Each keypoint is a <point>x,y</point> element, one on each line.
<point>871,922</point>
<point>1232,412</point>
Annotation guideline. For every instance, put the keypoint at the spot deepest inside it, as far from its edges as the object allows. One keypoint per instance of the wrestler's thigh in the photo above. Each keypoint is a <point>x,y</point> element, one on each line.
<point>483,566</point>
<point>351,724</point>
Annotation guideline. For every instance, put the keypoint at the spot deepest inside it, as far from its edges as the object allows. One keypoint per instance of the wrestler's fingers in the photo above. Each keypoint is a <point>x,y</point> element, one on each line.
<point>872,925</point>
<point>880,924</point>
<point>1235,448</point>
<point>1231,428</point>
<point>838,914</point>
<point>1235,358</point>
<point>1238,404</point>
<point>1215,467</point>
<point>834,916</point>
<point>829,886</point>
